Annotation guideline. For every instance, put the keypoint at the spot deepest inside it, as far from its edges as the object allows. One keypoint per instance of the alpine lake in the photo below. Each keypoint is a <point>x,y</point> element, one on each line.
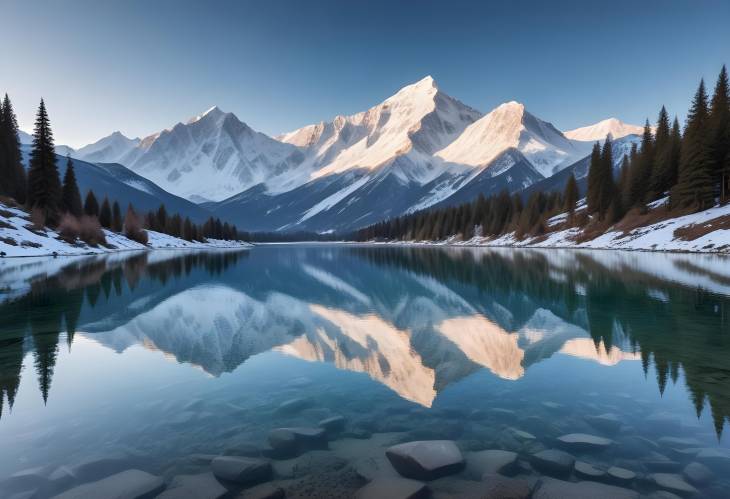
<point>371,371</point>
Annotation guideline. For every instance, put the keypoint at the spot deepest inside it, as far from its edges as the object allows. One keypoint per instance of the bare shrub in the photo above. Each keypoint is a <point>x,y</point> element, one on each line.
<point>69,228</point>
<point>133,227</point>
<point>90,231</point>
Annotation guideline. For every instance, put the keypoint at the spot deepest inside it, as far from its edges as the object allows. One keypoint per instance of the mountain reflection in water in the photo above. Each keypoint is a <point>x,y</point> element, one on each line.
<point>414,319</point>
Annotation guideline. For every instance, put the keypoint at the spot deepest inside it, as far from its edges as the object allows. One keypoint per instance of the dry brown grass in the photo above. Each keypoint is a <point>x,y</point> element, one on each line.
<point>696,231</point>
<point>638,217</point>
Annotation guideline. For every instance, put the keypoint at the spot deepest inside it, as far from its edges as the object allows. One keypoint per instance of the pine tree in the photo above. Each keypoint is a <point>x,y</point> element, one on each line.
<point>593,194</point>
<point>12,173</point>
<point>105,214</point>
<point>44,185</point>
<point>70,193</point>
<point>694,187</point>
<point>91,205</point>
<point>719,130</point>
<point>641,172</point>
<point>570,196</point>
<point>662,148</point>
<point>607,186</point>
<point>117,222</point>
<point>161,219</point>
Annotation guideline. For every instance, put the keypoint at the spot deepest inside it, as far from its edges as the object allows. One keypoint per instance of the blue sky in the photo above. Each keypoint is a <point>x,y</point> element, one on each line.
<point>140,66</point>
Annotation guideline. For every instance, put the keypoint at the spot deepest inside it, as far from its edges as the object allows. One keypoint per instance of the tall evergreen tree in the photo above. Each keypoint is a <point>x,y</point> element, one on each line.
<point>719,130</point>
<point>641,171</point>
<point>91,205</point>
<point>695,184</point>
<point>105,214</point>
<point>662,146</point>
<point>12,173</point>
<point>570,196</point>
<point>117,222</point>
<point>607,186</point>
<point>71,198</point>
<point>593,194</point>
<point>44,185</point>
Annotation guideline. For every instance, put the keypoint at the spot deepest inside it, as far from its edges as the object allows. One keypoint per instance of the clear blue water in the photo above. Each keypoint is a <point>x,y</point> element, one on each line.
<point>157,361</point>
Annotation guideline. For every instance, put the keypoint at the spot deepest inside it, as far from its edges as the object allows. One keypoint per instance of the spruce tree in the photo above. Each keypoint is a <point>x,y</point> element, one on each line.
<point>105,214</point>
<point>91,205</point>
<point>662,147</point>
<point>570,196</point>
<point>719,130</point>
<point>70,193</point>
<point>607,187</point>
<point>641,172</point>
<point>12,173</point>
<point>694,187</point>
<point>44,185</point>
<point>117,222</point>
<point>593,194</point>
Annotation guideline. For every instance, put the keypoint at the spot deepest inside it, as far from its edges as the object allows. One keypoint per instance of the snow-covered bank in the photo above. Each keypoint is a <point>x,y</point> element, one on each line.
<point>704,232</point>
<point>18,237</point>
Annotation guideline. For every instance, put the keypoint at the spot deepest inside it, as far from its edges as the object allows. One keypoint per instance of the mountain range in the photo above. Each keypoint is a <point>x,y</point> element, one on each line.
<point>416,149</point>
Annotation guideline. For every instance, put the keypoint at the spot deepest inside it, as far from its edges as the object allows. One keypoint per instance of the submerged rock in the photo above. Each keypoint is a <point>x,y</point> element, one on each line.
<point>550,488</point>
<point>313,462</point>
<point>130,484</point>
<point>553,462</point>
<point>673,483</point>
<point>263,491</point>
<point>698,473</point>
<point>333,425</point>
<point>607,423</point>
<point>620,476</point>
<point>293,441</point>
<point>490,461</point>
<point>426,460</point>
<point>588,471</point>
<point>393,488</point>
<point>582,442</point>
<point>241,469</point>
<point>200,486</point>
<point>502,487</point>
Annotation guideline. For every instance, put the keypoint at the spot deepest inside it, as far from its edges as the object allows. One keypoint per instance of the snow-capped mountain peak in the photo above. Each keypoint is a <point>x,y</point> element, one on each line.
<point>109,149</point>
<point>415,122</point>
<point>598,131</point>
<point>211,156</point>
<point>509,125</point>
<point>213,112</point>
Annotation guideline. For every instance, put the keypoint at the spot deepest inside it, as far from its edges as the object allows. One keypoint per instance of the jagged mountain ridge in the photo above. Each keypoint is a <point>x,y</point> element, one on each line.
<point>417,148</point>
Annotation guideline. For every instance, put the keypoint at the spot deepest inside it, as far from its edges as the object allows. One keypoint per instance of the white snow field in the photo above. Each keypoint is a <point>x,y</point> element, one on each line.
<point>659,236</point>
<point>18,238</point>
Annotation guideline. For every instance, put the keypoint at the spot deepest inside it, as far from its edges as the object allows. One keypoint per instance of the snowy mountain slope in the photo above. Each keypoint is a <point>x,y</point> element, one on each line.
<point>511,126</point>
<point>417,121</point>
<point>27,139</point>
<point>125,187</point>
<point>110,149</point>
<point>211,156</point>
<point>579,169</point>
<point>598,131</point>
<point>416,149</point>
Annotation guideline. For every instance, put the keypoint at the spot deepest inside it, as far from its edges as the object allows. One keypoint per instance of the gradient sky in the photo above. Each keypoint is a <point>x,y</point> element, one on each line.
<point>140,66</point>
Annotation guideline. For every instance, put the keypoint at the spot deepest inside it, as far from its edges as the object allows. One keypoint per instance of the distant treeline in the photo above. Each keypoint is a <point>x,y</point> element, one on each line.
<point>57,203</point>
<point>691,168</point>
<point>287,237</point>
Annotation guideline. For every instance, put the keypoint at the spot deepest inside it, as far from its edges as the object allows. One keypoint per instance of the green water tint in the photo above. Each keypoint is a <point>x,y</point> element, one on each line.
<point>158,358</point>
